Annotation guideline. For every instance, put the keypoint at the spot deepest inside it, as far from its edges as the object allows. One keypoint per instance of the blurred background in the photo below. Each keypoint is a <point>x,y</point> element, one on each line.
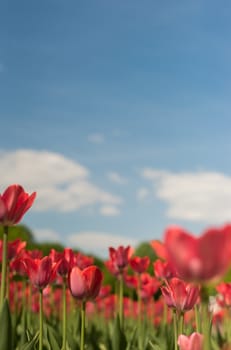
<point>117,113</point>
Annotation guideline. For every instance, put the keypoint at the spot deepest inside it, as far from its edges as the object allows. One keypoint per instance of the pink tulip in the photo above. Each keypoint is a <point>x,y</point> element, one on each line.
<point>180,295</point>
<point>85,284</point>
<point>199,258</point>
<point>14,203</point>
<point>192,342</point>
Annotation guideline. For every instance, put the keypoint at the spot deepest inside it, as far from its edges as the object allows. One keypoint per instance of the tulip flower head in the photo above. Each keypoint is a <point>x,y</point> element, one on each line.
<point>192,342</point>
<point>139,264</point>
<point>40,271</point>
<point>64,261</point>
<point>85,284</point>
<point>149,286</point>
<point>224,290</point>
<point>14,203</point>
<point>180,295</point>
<point>120,256</point>
<point>163,270</point>
<point>201,258</point>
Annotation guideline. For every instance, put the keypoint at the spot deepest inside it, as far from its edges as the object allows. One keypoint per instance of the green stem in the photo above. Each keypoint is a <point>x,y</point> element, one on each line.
<point>165,315</point>
<point>197,318</point>
<point>4,265</point>
<point>121,295</point>
<point>64,314</point>
<point>40,319</point>
<point>24,311</point>
<point>83,316</point>
<point>181,324</point>
<point>206,326</point>
<point>29,304</point>
<point>175,330</point>
<point>139,312</point>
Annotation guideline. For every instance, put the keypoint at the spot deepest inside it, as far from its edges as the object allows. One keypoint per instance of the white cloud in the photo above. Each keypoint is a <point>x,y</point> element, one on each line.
<point>109,210</point>
<point>142,193</point>
<point>46,235</point>
<point>61,183</point>
<point>194,196</point>
<point>96,138</point>
<point>99,242</point>
<point>116,178</point>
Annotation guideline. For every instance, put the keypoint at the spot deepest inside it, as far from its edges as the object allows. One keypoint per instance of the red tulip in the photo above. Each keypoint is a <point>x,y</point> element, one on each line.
<point>112,268</point>
<point>83,261</point>
<point>139,264</point>
<point>40,271</point>
<point>193,342</point>
<point>149,286</point>
<point>120,256</point>
<point>131,281</point>
<point>224,289</point>
<point>64,261</point>
<point>163,270</point>
<point>14,203</point>
<point>14,249</point>
<point>85,284</point>
<point>180,295</point>
<point>199,258</point>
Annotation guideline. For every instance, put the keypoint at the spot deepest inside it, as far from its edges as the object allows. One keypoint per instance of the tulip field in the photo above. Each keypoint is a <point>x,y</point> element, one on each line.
<point>179,301</point>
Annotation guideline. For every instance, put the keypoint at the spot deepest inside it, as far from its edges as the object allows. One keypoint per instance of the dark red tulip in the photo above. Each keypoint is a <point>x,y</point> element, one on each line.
<point>120,256</point>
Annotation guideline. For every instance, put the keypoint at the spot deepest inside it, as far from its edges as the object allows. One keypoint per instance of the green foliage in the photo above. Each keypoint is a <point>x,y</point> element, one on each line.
<point>46,247</point>
<point>19,231</point>
<point>145,249</point>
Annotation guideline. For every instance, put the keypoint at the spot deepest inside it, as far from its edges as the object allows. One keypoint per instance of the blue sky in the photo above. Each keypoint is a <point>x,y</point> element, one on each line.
<point>118,114</point>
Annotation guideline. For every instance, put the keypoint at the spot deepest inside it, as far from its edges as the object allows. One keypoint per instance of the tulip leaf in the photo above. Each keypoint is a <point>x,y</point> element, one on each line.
<point>53,338</point>
<point>118,338</point>
<point>131,340</point>
<point>6,327</point>
<point>31,344</point>
<point>153,346</point>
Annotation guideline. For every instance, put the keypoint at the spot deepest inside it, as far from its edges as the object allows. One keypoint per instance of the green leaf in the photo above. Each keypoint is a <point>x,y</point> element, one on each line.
<point>131,340</point>
<point>30,345</point>
<point>6,327</point>
<point>118,338</point>
<point>154,347</point>
<point>53,338</point>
